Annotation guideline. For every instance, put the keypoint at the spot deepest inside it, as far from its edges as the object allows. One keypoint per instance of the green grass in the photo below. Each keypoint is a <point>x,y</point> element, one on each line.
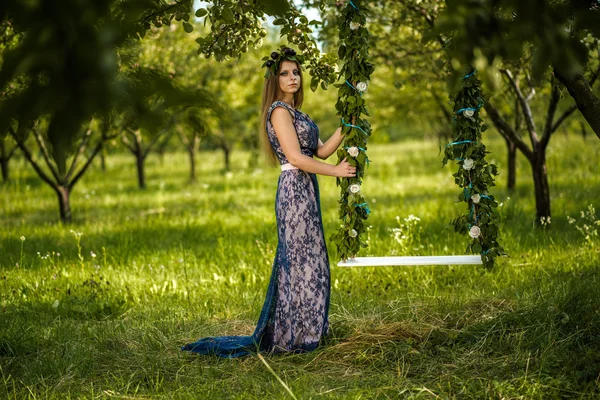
<point>177,262</point>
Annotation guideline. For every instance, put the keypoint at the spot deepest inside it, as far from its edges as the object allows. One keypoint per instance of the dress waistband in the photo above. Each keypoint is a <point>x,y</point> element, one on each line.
<point>288,166</point>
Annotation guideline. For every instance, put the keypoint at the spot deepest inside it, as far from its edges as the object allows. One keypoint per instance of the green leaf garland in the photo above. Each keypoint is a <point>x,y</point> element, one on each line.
<point>356,71</point>
<point>474,175</point>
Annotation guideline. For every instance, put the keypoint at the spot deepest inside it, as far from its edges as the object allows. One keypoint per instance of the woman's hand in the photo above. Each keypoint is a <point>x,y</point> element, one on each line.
<point>345,170</point>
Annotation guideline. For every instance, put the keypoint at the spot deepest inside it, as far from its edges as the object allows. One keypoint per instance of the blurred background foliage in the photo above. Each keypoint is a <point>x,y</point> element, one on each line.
<point>80,79</point>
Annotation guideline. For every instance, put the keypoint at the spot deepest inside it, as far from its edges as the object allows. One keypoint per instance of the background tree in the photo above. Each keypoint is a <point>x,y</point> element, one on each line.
<point>191,127</point>
<point>61,180</point>
<point>488,31</point>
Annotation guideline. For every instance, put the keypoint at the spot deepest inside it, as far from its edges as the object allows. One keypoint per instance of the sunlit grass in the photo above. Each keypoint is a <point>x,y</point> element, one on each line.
<point>161,267</point>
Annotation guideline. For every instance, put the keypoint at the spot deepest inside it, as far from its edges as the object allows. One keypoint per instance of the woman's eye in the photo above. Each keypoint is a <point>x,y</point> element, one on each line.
<point>296,72</point>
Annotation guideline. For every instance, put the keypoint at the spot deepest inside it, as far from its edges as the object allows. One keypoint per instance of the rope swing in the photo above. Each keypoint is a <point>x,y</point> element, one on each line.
<point>474,175</point>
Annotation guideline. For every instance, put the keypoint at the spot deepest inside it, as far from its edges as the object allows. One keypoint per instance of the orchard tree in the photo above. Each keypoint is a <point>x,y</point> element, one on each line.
<point>61,173</point>
<point>484,33</point>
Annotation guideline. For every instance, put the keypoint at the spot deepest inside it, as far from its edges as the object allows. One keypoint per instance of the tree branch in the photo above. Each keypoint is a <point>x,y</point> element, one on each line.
<point>506,130</point>
<point>29,157</point>
<point>525,106</point>
<point>552,104</point>
<point>160,134</point>
<point>572,109</point>
<point>80,150</point>
<point>160,12</point>
<point>12,152</point>
<point>585,98</point>
<point>86,165</point>
<point>46,155</point>
<point>563,117</point>
<point>127,143</point>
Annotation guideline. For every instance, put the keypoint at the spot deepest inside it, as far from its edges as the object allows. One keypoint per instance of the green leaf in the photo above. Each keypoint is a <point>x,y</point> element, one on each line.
<point>201,12</point>
<point>227,15</point>
<point>189,28</point>
<point>314,84</point>
<point>279,21</point>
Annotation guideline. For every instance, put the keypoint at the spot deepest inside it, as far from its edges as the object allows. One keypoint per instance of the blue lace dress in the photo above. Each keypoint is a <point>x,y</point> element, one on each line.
<point>294,316</point>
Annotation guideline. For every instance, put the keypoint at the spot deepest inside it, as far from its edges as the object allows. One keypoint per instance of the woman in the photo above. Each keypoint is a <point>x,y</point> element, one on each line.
<point>294,315</point>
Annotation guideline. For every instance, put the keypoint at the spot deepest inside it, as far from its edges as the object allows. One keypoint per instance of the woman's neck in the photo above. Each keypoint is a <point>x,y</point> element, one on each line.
<point>289,99</point>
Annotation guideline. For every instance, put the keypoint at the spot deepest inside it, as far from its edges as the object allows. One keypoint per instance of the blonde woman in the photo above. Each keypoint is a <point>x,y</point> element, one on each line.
<point>294,317</point>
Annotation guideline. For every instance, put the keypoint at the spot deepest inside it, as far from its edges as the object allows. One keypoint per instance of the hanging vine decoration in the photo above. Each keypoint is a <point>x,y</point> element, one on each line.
<point>356,71</point>
<point>475,175</point>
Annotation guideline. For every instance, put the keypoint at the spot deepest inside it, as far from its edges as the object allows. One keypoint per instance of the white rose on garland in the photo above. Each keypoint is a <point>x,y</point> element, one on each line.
<point>353,151</point>
<point>354,188</point>
<point>469,113</point>
<point>352,233</point>
<point>354,25</point>
<point>468,164</point>
<point>362,86</point>
<point>475,198</point>
<point>474,232</point>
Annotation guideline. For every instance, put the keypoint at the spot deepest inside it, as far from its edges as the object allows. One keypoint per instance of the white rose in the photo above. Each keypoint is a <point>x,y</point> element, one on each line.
<point>353,151</point>
<point>468,164</point>
<point>476,197</point>
<point>354,188</point>
<point>362,86</point>
<point>352,233</point>
<point>354,25</point>
<point>474,232</point>
<point>468,113</point>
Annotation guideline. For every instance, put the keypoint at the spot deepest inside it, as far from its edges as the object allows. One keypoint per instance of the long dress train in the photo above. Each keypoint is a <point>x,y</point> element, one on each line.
<point>294,316</point>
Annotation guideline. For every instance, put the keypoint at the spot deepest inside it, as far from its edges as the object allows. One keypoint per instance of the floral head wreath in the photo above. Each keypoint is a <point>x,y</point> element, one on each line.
<point>274,61</point>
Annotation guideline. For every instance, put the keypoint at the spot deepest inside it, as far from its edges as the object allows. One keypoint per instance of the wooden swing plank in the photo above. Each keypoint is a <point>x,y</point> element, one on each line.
<point>409,260</point>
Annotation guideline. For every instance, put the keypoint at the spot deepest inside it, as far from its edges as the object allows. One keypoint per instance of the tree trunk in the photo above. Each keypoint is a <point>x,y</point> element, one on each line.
<point>587,102</point>
<point>103,160</point>
<point>3,161</point>
<point>192,149</point>
<point>139,162</point>
<point>512,165</point>
<point>4,167</point>
<point>192,154</point>
<point>227,153</point>
<point>64,203</point>
<point>540,184</point>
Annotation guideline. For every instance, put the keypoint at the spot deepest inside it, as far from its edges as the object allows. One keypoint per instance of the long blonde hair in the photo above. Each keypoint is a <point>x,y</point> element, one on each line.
<point>271,93</point>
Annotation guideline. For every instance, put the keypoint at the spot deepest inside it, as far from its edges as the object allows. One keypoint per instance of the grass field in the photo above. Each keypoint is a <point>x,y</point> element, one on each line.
<point>99,309</point>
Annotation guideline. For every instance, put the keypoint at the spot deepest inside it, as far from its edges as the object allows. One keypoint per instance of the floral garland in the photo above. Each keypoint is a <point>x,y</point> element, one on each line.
<point>475,175</point>
<point>354,51</point>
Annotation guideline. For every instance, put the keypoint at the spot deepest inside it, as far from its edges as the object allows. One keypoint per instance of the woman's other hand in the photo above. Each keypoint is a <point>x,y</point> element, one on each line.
<point>345,170</point>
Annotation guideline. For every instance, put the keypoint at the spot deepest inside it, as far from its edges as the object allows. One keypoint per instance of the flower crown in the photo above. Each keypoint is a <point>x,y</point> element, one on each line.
<point>285,54</point>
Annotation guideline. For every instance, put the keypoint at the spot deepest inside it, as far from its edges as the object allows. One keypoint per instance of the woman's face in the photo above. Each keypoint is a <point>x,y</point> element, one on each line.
<point>289,77</point>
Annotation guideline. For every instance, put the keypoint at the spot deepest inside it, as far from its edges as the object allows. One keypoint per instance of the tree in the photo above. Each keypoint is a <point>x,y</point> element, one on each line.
<point>191,127</point>
<point>536,153</point>
<point>487,31</point>
<point>61,180</point>
<point>152,117</point>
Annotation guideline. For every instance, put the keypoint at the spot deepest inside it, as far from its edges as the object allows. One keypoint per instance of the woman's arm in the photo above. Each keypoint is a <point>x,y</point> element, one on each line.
<point>330,146</point>
<point>288,139</point>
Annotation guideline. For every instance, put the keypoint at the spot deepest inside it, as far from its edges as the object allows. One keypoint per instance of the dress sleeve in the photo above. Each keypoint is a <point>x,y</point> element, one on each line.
<point>284,105</point>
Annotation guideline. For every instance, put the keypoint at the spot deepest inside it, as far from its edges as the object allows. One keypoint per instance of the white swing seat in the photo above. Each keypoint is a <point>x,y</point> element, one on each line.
<point>409,260</point>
